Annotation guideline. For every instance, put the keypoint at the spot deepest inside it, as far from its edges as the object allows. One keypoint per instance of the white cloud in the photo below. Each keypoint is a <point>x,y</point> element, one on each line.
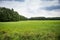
<point>32,7</point>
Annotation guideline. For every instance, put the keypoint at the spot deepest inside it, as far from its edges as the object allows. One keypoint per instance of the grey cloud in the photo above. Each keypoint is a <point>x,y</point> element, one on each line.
<point>47,0</point>
<point>13,0</point>
<point>52,8</point>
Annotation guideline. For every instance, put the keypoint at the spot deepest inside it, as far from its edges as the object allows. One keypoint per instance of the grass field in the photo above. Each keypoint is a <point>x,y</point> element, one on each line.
<point>30,30</point>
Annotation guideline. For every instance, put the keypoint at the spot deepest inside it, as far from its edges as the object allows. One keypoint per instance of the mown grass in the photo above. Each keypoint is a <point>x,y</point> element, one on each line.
<point>30,30</point>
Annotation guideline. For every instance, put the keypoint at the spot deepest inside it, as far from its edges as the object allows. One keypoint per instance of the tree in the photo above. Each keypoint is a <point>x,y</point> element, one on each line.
<point>7,14</point>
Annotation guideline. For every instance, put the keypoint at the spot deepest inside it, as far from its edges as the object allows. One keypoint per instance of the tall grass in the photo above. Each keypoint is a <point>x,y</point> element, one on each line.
<point>30,30</point>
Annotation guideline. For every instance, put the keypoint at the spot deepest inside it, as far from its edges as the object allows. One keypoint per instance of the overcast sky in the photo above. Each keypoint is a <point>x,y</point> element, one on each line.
<point>32,8</point>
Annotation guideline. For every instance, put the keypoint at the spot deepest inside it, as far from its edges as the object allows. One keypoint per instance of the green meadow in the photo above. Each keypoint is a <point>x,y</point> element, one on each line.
<point>30,30</point>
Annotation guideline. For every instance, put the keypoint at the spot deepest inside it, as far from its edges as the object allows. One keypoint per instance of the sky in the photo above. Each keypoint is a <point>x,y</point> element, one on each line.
<point>34,8</point>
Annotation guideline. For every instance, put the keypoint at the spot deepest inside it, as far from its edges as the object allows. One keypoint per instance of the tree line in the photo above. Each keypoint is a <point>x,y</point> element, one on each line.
<point>44,18</point>
<point>7,15</point>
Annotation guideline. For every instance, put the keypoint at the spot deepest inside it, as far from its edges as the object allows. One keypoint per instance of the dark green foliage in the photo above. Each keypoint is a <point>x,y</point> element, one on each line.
<point>22,17</point>
<point>9,15</point>
<point>44,18</point>
<point>37,18</point>
<point>58,37</point>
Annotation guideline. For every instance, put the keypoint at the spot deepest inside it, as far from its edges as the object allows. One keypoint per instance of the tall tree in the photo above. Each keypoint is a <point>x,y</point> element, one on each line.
<point>7,14</point>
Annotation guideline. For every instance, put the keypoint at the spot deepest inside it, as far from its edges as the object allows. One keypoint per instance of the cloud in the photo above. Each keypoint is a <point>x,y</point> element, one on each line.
<point>47,0</point>
<point>57,7</point>
<point>13,0</point>
<point>51,5</point>
<point>31,8</point>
